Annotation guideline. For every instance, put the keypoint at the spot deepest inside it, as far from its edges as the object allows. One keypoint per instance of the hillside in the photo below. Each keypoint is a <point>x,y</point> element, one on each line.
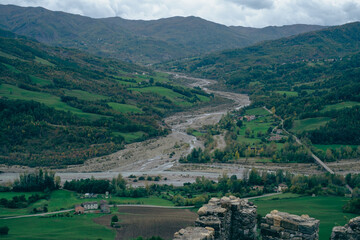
<point>61,106</point>
<point>330,43</point>
<point>310,80</point>
<point>135,40</point>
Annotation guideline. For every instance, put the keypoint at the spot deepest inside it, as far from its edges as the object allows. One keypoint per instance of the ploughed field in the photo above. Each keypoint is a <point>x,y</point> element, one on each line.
<point>149,221</point>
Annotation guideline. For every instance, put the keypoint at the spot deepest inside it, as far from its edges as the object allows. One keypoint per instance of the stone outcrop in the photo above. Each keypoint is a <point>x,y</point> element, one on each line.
<point>350,231</point>
<point>280,225</point>
<point>230,217</point>
<point>195,233</point>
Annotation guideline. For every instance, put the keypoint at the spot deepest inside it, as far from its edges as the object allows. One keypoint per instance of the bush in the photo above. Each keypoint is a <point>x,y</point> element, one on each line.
<point>4,230</point>
<point>353,206</point>
<point>114,219</point>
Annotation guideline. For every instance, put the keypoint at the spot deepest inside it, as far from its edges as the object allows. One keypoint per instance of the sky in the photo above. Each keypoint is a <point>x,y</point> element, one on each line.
<point>250,13</point>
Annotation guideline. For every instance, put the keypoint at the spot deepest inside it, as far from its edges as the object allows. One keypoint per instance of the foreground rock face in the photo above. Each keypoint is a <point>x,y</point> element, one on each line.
<point>280,225</point>
<point>195,233</point>
<point>230,217</point>
<point>350,231</point>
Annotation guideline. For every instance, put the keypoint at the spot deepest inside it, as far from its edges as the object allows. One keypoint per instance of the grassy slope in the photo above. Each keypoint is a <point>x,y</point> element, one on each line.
<point>13,92</point>
<point>340,106</point>
<point>124,108</point>
<point>309,124</point>
<point>326,209</point>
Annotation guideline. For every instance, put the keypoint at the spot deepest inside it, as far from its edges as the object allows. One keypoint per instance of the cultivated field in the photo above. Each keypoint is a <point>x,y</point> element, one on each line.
<point>148,221</point>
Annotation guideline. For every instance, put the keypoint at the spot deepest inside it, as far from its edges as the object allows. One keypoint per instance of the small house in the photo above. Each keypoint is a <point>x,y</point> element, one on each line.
<point>90,205</point>
<point>79,209</point>
<point>282,187</point>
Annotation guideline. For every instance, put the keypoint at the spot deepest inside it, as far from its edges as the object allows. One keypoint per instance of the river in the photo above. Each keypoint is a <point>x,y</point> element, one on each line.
<point>158,156</point>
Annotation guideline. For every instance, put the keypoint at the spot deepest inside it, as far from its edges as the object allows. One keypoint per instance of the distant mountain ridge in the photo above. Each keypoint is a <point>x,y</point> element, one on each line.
<point>136,40</point>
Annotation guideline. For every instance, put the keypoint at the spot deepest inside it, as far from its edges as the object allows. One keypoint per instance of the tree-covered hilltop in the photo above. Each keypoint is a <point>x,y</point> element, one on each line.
<point>230,65</point>
<point>61,106</point>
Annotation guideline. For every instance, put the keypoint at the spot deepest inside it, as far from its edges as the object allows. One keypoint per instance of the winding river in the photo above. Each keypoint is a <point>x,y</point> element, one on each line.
<point>158,156</point>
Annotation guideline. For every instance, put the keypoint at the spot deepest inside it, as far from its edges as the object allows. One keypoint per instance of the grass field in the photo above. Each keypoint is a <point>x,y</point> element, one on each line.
<point>333,146</point>
<point>40,81</point>
<point>340,106</point>
<point>76,227</point>
<point>175,97</point>
<point>261,124</point>
<point>84,95</point>
<point>257,112</point>
<point>325,208</point>
<point>309,124</point>
<point>12,68</point>
<point>43,61</point>
<point>13,93</point>
<point>124,108</point>
<point>287,93</point>
<point>129,137</point>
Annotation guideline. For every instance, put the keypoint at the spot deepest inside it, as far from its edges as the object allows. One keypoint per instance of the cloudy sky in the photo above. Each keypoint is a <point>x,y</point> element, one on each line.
<point>252,13</point>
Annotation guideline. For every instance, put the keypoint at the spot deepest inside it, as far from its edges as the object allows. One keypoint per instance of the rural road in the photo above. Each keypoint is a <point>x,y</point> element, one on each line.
<point>317,160</point>
<point>37,215</point>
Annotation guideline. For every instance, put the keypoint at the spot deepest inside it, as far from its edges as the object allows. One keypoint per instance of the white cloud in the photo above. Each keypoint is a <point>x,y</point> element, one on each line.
<point>254,13</point>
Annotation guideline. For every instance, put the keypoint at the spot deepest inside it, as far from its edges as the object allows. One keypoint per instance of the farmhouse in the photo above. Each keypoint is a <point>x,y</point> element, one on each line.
<point>90,205</point>
<point>79,209</point>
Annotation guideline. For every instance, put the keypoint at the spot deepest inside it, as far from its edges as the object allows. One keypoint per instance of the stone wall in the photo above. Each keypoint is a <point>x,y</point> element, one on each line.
<point>230,217</point>
<point>350,231</point>
<point>280,225</point>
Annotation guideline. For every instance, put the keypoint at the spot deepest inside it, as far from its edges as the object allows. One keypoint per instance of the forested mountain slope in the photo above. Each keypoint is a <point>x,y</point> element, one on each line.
<point>311,80</point>
<point>61,106</point>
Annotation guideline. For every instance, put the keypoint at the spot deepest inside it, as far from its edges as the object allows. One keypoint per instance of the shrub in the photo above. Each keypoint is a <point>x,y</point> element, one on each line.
<point>114,219</point>
<point>4,230</point>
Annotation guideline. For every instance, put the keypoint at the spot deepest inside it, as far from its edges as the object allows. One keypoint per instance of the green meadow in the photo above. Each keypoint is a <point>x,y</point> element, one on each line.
<point>124,108</point>
<point>40,81</point>
<point>340,106</point>
<point>257,112</point>
<point>288,93</point>
<point>13,93</point>
<point>130,137</point>
<point>328,209</point>
<point>74,227</point>
<point>84,95</point>
<point>309,124</point>
<point>332,146</point>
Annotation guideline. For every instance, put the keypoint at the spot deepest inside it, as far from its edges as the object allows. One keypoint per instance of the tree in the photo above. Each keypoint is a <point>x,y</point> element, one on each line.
<point>4,230</point>
<point>239,123</point>
<point>114,218</point>
<point>273,110</point>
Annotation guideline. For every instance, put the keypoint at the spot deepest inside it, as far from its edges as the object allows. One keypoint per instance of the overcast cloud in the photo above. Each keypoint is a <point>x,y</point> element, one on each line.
<point>252,13</point>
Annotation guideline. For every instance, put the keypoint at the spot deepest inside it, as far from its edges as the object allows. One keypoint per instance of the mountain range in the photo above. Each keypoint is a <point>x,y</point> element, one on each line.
<point>136,40</point>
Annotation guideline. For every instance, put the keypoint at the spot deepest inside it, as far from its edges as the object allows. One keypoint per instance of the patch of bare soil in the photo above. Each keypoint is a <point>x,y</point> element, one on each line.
<point>148,222</point>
